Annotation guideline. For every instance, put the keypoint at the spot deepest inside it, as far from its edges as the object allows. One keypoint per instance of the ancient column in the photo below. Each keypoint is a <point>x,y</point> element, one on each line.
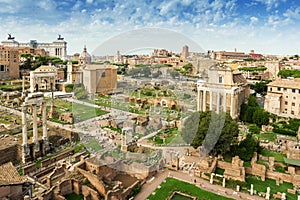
<point>35,130</point>
<point>268,193</point>
<point>224,182</point>
<point>225,102</point>
<point>210,100</point>
<point>45,135</point>
<point>211,181</point>
<point>251,189</point>
<point>24,135</point>
<point>231,104</point>
<point>218,102</point>
<point>198,100</point>
<point>204,100</point>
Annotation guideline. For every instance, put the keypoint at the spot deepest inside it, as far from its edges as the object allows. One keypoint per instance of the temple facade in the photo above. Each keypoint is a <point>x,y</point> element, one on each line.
<point>225,90</point>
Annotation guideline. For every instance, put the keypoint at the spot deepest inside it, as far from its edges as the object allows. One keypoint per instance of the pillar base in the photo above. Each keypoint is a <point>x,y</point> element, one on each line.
<point>25,153</point>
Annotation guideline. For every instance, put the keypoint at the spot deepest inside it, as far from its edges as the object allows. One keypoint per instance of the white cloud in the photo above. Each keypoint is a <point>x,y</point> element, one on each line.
<point>271,3</point>
<point>89,1</point>
<point>253,20</point>
<point>292,13</point>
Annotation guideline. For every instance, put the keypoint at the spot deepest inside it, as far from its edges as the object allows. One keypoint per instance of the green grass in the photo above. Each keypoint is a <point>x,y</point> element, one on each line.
<point>80,112</point>
<point>172,184</point>
<point>219,171</point>
<point>74,196</point>
<point>93,144</point>
<point>278,156</point>
<point>261,186</point>
<point>170,134</point>
<point>270,136</point>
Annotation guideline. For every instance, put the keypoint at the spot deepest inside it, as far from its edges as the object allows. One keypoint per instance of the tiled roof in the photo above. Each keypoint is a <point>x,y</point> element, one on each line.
<point>9,175</point>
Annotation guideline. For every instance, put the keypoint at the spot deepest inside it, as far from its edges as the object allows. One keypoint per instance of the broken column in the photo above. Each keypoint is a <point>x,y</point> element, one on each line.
<point>224,182</point>
<point>268,193</point>
<point>211,178</point>
<point>251,189</point>
<point>24,135</point>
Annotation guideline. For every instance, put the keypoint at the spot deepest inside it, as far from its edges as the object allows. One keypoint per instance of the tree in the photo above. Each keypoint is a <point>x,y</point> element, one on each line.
<point>215,133</point>
<point>260,117</point>
<point>254,129</point>
<point>247,147</point>
<point>260,87</point>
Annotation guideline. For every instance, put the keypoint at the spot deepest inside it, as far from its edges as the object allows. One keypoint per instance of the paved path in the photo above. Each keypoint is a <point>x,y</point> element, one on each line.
<point>148,188</point>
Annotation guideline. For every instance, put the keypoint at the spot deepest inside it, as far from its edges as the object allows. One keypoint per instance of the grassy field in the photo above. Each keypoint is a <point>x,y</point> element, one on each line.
<point>261,186</point>
<point>80,112</point>
<point>93,144</point>
<point>278,156</point>
<point>270,136</point>
<point>172,184</point>
<point>169,135</point>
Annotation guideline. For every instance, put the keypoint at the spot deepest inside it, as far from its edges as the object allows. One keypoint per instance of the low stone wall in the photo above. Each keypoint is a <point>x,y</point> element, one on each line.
<point>29,168</point>
<point>223,164</point>
<point>54,159</point>
<point>9,154</point>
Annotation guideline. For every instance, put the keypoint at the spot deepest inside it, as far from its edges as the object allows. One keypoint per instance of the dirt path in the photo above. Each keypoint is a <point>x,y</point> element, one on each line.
<point>148,188</point>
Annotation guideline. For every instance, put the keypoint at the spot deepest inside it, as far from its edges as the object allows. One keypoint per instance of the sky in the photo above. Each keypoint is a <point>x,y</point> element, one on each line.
<point>267,26</point>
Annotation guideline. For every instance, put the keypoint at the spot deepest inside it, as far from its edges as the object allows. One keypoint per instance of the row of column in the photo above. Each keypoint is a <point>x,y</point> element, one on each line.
<point>58,51</point>
<point>221,101</point>
<point>25,149</point>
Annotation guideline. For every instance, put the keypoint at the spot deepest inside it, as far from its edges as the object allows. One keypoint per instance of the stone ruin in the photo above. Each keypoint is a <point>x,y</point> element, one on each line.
<point>236,171</point>
<point>67,117</point>
<point>33,101</point>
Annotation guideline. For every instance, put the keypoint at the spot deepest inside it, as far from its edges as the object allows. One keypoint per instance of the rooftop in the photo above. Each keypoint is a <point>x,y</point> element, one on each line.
<point>288,83</point>
<point>9,175</point>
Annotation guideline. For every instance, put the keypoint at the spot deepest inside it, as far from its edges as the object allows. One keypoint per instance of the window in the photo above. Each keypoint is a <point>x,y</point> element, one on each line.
<point>294,97</point>
<point>220,79</point>
<point>286,103</point>
<point>287,97</point>
<point>293,104</point>
<point>103,74</point>
<point>278,89</point>
<point>284,89</point>
<point>271,89</point>
<point>293,90</point>
<point>292,112</point>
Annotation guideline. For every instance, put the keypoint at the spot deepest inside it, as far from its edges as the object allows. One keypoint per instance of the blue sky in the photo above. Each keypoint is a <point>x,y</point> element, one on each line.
<point>267,26</point>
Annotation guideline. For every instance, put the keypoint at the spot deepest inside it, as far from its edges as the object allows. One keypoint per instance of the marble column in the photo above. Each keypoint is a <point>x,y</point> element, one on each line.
<point>24,126</point>
<point>218,102</point>
<point>231,104</point>
<point>210,100</point>
<point>204,100</point>
<point>24,135</point>
<point>45,134</point>
<point>35,129</point>
<point>225,102</point>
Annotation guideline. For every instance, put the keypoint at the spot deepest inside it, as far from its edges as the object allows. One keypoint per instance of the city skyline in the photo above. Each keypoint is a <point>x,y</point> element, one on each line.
<point>268,27</point>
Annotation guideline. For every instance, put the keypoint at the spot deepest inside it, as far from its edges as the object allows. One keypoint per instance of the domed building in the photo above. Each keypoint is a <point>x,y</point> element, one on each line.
<point>84,58</point>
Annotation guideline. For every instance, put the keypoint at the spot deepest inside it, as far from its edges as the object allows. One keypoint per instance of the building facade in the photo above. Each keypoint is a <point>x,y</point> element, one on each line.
<point>44,78</point>
<point>57,48</point>
<point>283,98</point>
<point>99,78</point>
<point>225,90</point>
<point>9,63</point>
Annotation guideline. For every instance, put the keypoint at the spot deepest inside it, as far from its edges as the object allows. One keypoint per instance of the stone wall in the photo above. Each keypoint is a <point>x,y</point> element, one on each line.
<point>10,154</point>
<point>13,192</point>
<point>94,180</point>
<point>54,159</point>
<point>29,168</point>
